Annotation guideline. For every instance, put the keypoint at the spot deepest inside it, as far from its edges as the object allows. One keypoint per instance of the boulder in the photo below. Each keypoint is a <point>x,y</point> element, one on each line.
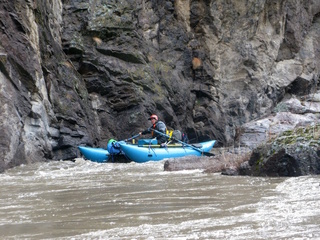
<point>227,162</point>
<point>293,153</point>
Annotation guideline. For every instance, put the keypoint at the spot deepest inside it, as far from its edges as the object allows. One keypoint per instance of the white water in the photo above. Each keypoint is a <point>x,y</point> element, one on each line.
<point>86,200</point>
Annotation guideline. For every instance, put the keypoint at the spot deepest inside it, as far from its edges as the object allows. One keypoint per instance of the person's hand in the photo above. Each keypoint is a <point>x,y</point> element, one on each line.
<point>140,133</point>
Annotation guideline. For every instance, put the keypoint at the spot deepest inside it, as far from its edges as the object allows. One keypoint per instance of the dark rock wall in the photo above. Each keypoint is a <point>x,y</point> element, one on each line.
<point>81,72</point>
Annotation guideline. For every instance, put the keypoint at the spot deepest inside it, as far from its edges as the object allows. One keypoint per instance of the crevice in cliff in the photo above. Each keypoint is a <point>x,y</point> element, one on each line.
<point>124,56</point>
<point>24,76</point>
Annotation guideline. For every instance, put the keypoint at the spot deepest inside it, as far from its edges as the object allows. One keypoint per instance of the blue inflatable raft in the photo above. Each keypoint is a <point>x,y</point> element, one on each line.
<point>100,155</point>
<point>145,153</point>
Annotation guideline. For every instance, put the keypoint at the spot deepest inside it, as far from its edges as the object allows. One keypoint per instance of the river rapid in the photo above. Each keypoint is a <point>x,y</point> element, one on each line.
<point>86,200</point>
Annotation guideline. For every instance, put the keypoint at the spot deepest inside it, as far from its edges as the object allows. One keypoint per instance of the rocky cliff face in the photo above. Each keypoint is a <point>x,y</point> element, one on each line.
<point>82,72</point>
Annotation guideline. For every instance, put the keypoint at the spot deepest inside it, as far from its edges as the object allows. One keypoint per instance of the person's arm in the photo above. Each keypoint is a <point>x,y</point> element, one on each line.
<point>148,130</point>
<point>161,127</point>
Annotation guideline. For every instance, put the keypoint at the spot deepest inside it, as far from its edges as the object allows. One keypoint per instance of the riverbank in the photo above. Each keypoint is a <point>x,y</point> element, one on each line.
<point>286,143</point>
<point>293,153</point>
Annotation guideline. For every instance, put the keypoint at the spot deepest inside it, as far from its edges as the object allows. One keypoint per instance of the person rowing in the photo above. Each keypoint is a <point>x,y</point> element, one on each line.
<point>158,126</point>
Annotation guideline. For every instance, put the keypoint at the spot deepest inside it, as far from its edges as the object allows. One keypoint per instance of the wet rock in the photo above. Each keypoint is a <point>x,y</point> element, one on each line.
<point>188,163</point>
<point>230,172</point>
<point>226,162</point>
<point>293,153</point>
<point>289,114</point>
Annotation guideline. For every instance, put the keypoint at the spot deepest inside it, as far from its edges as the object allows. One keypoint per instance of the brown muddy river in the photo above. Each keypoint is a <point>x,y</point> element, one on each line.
<point>86,200</point>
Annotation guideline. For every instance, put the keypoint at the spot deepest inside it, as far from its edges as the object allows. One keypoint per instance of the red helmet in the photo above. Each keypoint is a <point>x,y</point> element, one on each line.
<point>153,116</point>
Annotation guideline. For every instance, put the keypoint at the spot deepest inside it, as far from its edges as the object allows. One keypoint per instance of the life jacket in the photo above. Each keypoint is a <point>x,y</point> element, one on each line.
<point>159,126</point>
<point>169,133</point>
<point>152,132</point>
<point>177,135</point>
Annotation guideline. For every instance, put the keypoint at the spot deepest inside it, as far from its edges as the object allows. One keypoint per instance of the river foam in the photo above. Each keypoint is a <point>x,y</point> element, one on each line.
<point>85,200</point>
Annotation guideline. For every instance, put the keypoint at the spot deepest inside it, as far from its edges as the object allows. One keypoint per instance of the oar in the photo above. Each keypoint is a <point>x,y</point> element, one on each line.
<point>133,137</point>
<point>183,143</point>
